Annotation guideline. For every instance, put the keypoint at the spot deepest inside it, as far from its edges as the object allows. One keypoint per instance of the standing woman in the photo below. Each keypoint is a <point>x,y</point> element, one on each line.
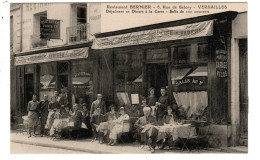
<point>151,100</point>
<point>32,109</point>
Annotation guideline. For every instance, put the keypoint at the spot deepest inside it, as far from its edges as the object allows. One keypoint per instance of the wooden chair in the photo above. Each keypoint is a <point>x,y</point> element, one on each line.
<point>125,130</point>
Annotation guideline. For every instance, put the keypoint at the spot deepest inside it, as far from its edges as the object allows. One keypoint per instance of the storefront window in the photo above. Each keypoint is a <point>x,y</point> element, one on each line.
<point>82,82</point>
<point>128,76</point>
<point>47,79</point>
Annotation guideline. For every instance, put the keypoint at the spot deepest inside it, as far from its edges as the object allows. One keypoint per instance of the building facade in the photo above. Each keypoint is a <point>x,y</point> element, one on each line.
<point>202,62</point>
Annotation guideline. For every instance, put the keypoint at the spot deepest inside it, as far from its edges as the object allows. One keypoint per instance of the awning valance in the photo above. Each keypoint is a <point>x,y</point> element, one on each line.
<point>201,71</point>
<point>52,56</point>
<point>193,30</point>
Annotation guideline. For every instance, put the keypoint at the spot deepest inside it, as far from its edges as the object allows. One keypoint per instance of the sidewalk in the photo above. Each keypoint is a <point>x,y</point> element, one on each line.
<point>85,145</point>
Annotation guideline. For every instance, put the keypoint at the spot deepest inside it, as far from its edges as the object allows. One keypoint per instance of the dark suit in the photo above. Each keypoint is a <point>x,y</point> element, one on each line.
<point>96,120</point>
<point>161,110</point>
<point>43,107</point>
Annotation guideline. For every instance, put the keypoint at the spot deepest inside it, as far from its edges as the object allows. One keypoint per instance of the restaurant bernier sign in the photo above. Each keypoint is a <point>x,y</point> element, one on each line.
<point>52,56</point>
<point>193,30</point>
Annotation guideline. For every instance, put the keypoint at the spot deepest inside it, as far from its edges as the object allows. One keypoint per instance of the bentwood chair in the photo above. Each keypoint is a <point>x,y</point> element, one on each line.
<point>125,130</point>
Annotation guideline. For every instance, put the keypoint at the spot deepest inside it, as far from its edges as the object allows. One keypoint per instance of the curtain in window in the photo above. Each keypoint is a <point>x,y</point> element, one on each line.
<point>192,102</point>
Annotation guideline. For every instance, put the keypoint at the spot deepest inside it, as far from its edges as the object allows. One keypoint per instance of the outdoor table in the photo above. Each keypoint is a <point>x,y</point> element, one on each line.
<point>176,131</point>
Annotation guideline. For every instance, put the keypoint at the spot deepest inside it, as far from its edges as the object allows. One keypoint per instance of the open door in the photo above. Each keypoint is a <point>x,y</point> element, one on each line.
<point>29,90</point>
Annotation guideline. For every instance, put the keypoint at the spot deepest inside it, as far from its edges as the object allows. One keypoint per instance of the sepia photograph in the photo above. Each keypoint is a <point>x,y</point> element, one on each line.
<point>128,78</point>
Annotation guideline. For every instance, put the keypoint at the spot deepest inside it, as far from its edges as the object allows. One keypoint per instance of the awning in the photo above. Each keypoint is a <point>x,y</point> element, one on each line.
<point>52,56</point>
<point>178,74</point>
<point>80,80</point>
<point>139,79</point>
<point>199,72</point>
<point>193,30</point>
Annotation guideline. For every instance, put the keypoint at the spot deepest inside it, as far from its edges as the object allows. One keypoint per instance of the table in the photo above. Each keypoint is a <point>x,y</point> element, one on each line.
<point>176,131</point>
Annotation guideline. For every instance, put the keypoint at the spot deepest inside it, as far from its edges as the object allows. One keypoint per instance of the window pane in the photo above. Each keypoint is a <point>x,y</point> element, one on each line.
<point>157,54</point>
<point>203,52</point>
<point>81,12</point>
<point>47,79</point>
<point>63,67</point>
<point>183,54</point>
<point>128,72</point>
<point>82,82</point>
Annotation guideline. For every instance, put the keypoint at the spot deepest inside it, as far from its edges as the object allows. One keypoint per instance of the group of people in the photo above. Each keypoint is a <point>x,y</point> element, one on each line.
<point>107,126</point>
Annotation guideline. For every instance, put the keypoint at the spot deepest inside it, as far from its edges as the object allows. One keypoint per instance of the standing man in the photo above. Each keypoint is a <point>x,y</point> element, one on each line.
<point>161,106</point>
<point>43,106</point>
<point>98,103</point>
<point>32,109</point>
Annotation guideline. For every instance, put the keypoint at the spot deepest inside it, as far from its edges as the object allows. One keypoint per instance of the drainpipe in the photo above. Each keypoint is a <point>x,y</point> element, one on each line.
<point>21,23</point>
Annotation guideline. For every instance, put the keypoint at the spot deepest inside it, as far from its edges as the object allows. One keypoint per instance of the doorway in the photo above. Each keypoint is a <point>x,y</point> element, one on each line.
<point>29,90</point>
<point>157,77</point>
<point>243,87</point>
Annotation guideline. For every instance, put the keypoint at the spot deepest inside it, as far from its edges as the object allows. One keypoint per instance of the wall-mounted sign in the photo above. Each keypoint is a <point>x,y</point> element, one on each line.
<point>221,63</point>
<point>52,56</point>
<point>195,81</point>
<point>193,30</point>
<point>49,28</point>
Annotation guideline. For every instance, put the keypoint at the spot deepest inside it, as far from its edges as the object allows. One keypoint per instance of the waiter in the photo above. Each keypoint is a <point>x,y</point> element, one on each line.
<point>43,106</point>
<point>161,106</point>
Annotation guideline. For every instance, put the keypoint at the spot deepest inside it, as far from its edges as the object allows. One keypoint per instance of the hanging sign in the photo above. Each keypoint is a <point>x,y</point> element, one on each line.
<point>221,63</point>
<point>52,56</point>
<point>155,35</point>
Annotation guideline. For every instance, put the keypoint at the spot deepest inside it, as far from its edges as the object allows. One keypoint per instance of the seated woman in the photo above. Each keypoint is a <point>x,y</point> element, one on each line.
<point>146,128</point>
<point>65,113</point>
<point>118,128</point>
<point>144,104</point>
<point>170,118</point>
<point>95,121</point>
<point>77,116</point>
<point>53,106</point>
<point>86,116</point>
<point>112,115</point>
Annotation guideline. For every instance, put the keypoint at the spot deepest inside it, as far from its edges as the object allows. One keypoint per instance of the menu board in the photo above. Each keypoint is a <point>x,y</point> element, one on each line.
<point>49,28</point>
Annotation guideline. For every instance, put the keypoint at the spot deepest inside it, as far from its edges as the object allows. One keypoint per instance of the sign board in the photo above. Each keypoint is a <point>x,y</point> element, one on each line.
<point>135,98</point>
<point>155,35</point>
<point>52,56</point>
<point>221,63</point>
<point>49,28</point>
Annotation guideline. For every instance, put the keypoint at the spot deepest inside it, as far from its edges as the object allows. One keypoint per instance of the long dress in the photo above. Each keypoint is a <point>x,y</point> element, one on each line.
<point>118,128</point>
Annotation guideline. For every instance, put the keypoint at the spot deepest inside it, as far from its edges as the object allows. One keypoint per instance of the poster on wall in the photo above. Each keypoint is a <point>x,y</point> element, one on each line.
<point>221,63</point>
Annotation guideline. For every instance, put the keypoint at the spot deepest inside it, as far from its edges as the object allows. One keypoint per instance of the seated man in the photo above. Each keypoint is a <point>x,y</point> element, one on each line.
<point>95,121</point>
<point>65,113</point>
<point>145,128</point>
<point>86,116</point>
<point>118,127</point>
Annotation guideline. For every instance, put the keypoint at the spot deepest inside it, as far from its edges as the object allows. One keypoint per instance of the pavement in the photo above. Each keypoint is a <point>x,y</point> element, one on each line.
<point>87,146</point>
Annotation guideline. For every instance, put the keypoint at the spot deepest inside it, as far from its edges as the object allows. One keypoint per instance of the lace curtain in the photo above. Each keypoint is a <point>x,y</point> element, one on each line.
<point>192,102</point>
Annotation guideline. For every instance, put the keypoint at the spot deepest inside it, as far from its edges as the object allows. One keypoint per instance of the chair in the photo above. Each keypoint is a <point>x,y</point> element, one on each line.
<point>196,139</point>
<point>125,130</point>
<point>22,127</point>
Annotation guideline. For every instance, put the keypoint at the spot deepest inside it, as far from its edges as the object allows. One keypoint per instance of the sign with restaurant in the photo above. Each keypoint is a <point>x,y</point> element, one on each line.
<point>49,28</point>
<point>52,56</point>
<point>155,35</point>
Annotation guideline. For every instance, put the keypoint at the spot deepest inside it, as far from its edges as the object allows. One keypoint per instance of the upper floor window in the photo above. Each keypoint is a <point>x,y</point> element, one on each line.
<point>36,40</point>
<point>81,15</point>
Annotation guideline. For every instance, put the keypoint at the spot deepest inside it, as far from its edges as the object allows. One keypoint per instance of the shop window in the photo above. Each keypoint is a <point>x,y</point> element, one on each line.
<point>128,76</point>
<point>47,79</point>
<point>82,82</point>
<point>193,53</point>
<point>203,52</point>
<point>183,54</point>
<point>157,54</point>
<point>81,15</point>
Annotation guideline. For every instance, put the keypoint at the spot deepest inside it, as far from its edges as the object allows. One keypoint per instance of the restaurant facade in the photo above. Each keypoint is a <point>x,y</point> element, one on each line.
<point>192,58</point>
